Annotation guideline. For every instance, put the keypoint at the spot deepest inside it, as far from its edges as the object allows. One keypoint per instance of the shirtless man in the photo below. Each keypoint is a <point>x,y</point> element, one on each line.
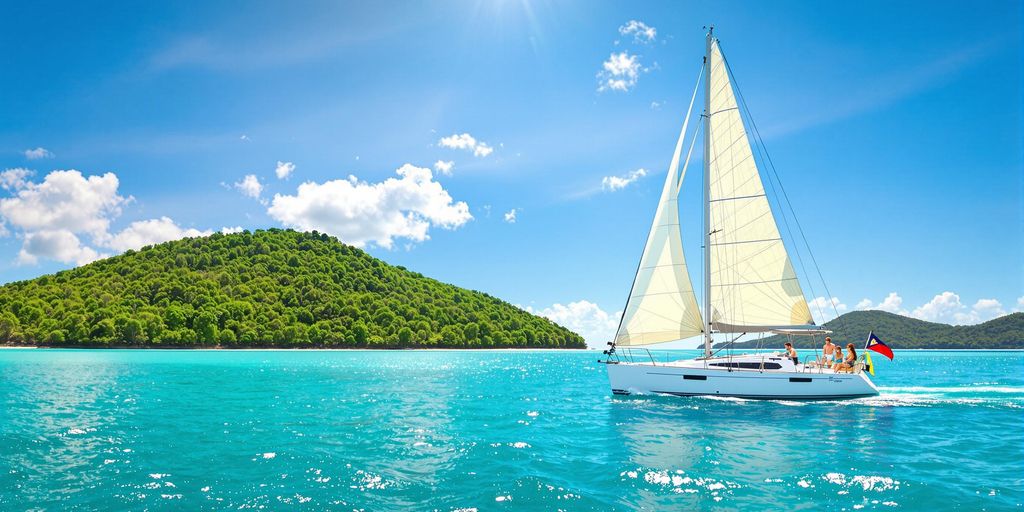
<point>829,350</point>
<point>791,353</point>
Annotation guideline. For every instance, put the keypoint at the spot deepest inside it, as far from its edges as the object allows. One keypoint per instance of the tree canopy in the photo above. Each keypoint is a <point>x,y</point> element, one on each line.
<point>273,288</point>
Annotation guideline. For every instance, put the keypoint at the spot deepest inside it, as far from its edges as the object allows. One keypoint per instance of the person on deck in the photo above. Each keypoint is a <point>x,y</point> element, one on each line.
<point>791,353</point>
<point>851,359</point>
<point>830,351</point>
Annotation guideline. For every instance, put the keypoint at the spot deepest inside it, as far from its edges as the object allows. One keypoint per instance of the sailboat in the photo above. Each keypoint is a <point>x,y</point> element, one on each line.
<point>750,285</point>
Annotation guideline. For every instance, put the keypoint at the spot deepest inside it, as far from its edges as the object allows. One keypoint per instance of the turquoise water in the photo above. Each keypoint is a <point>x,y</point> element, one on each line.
<point>182,430</point>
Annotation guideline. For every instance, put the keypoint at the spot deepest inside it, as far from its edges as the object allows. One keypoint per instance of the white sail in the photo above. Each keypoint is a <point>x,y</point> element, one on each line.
<point>662,306</point>
<point>753,284</point>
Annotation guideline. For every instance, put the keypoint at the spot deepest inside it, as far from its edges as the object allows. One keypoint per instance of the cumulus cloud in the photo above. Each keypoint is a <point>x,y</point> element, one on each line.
<point>284,169</point>
<point>510,216</point>
<point>945,307</point>
<point>15,179</point>
<point>444,167</point>
<point>613,183</point>
<point>824,309</point>
<point>619,73</point>
<point>585,318</point>
<point>359,213</point>
<point>52,216</point>
<point>986,309</point>
<point>467,142</point>
<point>37,153</point>
<point>231,230</point>
<point>59,245</point>
<point>892,303</point>
<point>149,232</point>
<point>65,200</point>
<point>641,32</point>
<point>250,186</point>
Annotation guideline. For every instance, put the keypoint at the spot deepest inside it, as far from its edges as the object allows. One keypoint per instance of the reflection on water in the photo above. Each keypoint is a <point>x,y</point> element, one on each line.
<point>485,430</point>
<point>57,423</point>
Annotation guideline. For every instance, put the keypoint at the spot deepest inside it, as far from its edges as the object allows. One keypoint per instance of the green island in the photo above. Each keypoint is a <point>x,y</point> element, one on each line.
<point>273,288</point>
<point>1005,332</point>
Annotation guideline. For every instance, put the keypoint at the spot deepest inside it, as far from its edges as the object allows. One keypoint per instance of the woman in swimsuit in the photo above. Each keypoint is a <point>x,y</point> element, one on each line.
<point>851,359</point>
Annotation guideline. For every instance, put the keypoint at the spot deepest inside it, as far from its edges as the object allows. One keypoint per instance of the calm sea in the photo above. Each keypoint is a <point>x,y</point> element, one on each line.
<point>181,430</point>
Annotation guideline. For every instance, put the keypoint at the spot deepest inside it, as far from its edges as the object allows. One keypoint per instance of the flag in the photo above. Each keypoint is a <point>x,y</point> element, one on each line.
<point>878,346</point>
<point>867,362</point>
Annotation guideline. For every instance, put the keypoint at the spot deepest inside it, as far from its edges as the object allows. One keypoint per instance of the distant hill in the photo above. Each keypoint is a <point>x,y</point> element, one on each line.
<point>276,288</point>
<point>903,332</point>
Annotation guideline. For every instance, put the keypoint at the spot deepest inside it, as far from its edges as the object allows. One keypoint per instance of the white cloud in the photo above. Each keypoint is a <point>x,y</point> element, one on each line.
<point>61,245</point>
<point>231,230</point>
<point>641,32</point>
<point>585,318</point>
<point>37,153</point>
<point>245,138</point>
<point>250,186</point>
<point>510,216</point>
<point>613,183</point>
<point>892,303</point>
<point>987,309</point>
<point>824,309</point>
<point>444,167</point>
<point>149,232</point>
<point>50,217</point>
<point>360,213</point>
<point>945,307</point>
<point>15,179</point>
<point>619,73</point>
<point>458,141</point>
<point>467,142</point>
<point>284,169</point>
<point>65,200</point>
<point>1020,304</point>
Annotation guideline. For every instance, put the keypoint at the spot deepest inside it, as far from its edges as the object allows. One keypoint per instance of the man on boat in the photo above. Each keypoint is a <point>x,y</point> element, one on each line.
<point>829,351</point>
<point>791,353</point>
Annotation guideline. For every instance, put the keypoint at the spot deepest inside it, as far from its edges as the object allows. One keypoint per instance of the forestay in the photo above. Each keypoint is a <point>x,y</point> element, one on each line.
<point>754,286</point>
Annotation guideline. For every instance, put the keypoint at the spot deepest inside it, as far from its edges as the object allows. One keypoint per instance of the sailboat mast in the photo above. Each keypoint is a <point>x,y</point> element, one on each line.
<point>707,196</point>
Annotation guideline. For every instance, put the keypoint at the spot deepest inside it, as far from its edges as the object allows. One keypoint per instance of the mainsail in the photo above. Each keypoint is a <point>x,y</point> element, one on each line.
<point>662,306</point>
<point>753,284</point>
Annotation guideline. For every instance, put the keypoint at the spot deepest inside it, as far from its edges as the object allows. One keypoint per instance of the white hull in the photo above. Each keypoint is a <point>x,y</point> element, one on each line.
<point>696,378</point>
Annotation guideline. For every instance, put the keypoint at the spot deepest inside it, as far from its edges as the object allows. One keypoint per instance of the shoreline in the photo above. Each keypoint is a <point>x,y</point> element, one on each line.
<point>219,348</point>
<point>413,349</point>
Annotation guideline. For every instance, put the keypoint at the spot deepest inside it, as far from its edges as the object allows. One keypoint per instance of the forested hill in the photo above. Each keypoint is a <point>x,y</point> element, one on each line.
<point>267,288</point>
<point>903,332</point>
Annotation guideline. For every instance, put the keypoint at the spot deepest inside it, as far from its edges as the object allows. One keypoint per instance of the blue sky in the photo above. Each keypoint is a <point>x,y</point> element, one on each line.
<point>896,129</point>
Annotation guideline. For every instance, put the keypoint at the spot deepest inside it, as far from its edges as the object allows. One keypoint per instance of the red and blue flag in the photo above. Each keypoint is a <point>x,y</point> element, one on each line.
<point>878,346</point>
